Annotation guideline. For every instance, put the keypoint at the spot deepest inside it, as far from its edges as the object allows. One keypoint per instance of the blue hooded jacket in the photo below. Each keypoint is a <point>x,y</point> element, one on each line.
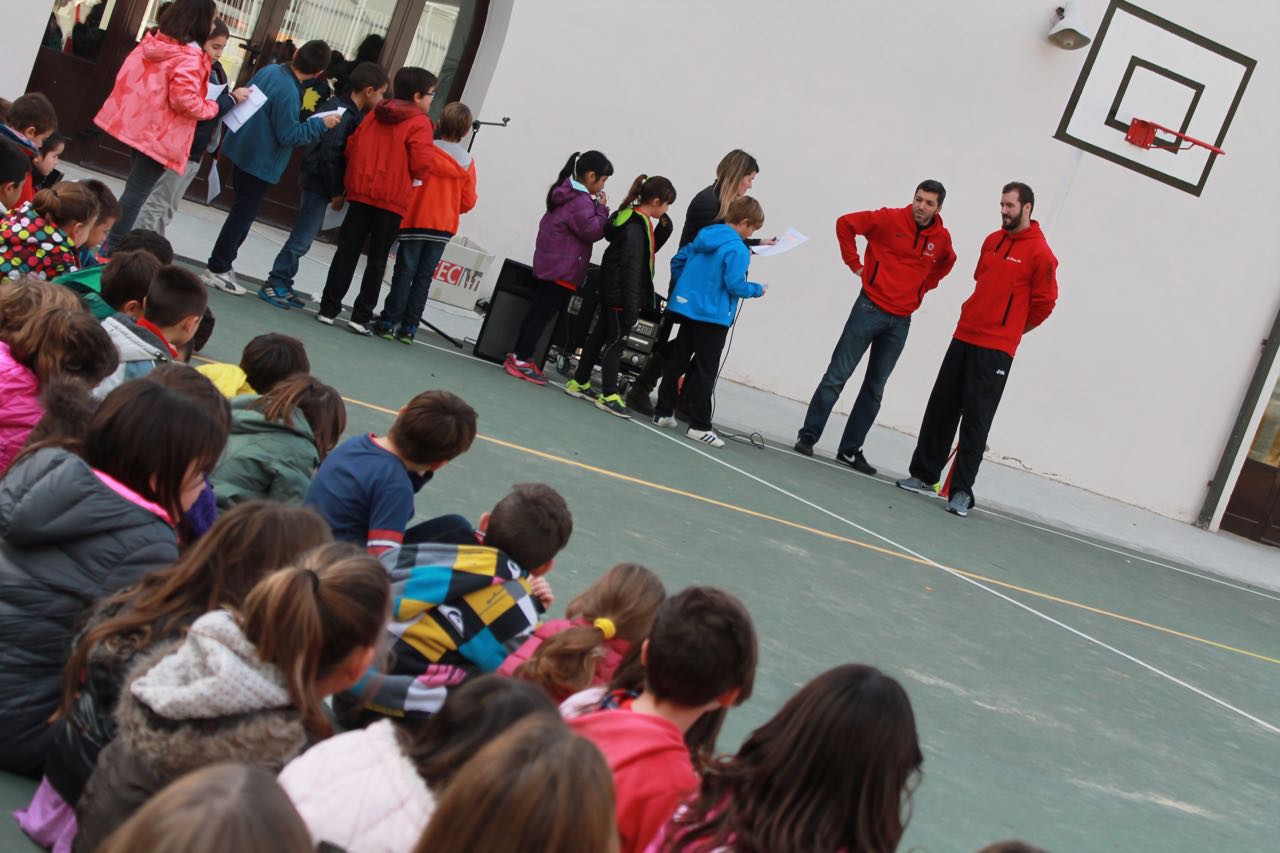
<point>709,276</point>
<point>263,146</point>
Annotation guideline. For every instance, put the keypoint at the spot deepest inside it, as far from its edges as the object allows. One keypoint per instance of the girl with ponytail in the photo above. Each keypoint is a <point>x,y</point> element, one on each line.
<point>278,440</point>
<point>245,685</point>
<point>626,287</point>
<point>42,237</point>
<point>577,212</point>
<point>601,625</point>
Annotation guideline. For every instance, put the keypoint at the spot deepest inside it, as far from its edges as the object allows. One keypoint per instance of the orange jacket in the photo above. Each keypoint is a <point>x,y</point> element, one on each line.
<point>389,150</point>
<point>450,191</point>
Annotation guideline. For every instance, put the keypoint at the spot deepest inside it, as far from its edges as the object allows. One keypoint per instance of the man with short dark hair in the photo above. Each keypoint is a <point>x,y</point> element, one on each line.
<point>1016,290</point>
<point>908,254</point>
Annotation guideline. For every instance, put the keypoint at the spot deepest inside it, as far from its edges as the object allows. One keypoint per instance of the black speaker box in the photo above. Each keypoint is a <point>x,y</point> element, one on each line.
<point>513,294</point>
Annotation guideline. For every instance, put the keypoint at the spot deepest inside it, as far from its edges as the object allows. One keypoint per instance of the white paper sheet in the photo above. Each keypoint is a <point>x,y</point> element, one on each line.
<point>215,89</point>
<point>788,241</point>
<point>333,218</point>
<point>215,183</point>
<point>235,119</point>
<point>336,111</point>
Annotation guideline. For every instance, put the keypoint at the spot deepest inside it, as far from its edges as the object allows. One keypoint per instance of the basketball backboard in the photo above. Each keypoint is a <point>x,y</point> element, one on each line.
<point>1143,66</point>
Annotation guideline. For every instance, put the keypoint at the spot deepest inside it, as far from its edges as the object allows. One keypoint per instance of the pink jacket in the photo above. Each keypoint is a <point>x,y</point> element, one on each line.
<point>614,650</point>
<point>20,409</point>
<point>158,97</point>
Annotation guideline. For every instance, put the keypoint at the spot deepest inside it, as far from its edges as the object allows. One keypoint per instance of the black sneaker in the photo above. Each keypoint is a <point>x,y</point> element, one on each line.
<point>857,462</point>
<point>638,401</point>
<point>803,447</point>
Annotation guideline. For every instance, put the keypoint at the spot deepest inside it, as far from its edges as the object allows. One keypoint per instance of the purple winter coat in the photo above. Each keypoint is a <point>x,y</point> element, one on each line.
<point>566,233</point>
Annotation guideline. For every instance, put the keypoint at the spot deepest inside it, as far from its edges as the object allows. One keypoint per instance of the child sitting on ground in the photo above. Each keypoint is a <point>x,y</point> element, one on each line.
<point>108,214</point>
<point>15,169</point>
<point>699,658</point>
<point>44,167</point>
<point>89,280</point>
<point>600,626</point>
<point>461,609</point>
<point>365,488</point>
<point>244,686</point>
<point>278,440</point>
<point>428,225</point>
<point>832,770</point>
<point>322,172</point>
<point>45,336</point>
<point>385,155</point>
<point>171,313</point>
<point>31,120</point>
<point>43,236</point>
<point>264,361</point>
<point>123,282</point>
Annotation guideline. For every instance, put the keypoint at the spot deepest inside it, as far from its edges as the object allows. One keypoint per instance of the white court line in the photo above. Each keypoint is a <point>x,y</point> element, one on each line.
<point>953,573</point>
<point>844,469</point>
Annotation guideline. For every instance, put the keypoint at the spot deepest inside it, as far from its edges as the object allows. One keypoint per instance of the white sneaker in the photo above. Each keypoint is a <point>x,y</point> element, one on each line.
<point>668,422</point>
<point>224,281</point>
<point>320,318</point>
<point>706,436</point>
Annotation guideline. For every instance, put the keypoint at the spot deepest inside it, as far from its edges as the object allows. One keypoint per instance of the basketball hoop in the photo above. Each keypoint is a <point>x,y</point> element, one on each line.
<point>1142,133</point>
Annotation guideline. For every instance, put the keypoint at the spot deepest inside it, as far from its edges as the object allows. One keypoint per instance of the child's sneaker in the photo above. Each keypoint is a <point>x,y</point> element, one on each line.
<point>359,329</point>
<point>526,370</point>
<point>613,405</point>
<point>665,421</point>
<point>387,333</point>
<point>224,281</point>
<point>404,338</point>
<point>573,389</point>
<point>706,436</point>
<point>321,318</point>
<point>294,300</point>
<point>277,296</point>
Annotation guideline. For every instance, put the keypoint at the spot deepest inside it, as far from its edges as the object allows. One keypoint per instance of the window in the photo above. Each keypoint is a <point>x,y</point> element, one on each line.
<point>78,27</point>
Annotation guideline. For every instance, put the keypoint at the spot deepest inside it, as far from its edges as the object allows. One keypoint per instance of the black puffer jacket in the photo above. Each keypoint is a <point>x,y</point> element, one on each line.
<point>66,540</point>
<point>626,270</point>
<point>324,164</point>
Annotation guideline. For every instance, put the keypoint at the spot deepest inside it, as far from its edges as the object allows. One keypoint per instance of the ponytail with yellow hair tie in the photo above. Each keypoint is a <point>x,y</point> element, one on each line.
<point>606,627</point>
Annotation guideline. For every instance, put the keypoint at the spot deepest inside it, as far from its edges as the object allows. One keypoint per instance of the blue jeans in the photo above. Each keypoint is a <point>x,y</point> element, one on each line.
<point>311,208</point>
<point>867,326</point>
<point>411,284</point>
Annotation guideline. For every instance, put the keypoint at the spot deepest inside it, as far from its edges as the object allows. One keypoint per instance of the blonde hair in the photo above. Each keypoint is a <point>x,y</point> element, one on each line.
<point>61,342</point>
<point>745,209</point>
<point>538,786</point>
<point>734,166</point>
<point>224,808</point>
<point>23,300</point>
<point>309,618</point>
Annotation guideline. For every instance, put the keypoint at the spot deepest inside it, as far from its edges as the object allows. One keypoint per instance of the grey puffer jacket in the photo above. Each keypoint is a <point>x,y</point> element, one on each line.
<point>67,539</point>
<point>189,704</point>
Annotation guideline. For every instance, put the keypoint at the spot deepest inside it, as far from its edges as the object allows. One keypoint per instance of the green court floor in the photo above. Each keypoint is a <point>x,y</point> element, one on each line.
<point>1070,693</point>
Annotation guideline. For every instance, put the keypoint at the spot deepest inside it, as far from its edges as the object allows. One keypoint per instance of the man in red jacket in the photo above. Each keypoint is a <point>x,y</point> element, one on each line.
<point>908,253</point>
<point>1016,290</point>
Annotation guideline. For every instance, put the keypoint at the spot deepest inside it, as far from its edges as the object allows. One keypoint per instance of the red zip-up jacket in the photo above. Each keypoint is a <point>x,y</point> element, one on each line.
<point>1016,290</point>
<point>903,262</point>
<point>389,151</point>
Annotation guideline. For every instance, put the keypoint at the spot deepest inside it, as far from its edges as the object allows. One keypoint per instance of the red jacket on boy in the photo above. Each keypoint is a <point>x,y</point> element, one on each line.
<point>389,151</point>
<point>1016,290</point>
<point>904,262</point>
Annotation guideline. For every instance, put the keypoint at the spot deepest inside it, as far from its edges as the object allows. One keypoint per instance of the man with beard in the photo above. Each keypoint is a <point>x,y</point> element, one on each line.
<point>1016,289</point>
<point>908,253</point>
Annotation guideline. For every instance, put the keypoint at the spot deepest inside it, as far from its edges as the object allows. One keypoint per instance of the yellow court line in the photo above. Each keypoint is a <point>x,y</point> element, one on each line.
<point>627,478</point>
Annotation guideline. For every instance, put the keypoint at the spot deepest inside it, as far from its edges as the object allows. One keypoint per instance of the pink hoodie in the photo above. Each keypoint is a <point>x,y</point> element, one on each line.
<point>20,408</point>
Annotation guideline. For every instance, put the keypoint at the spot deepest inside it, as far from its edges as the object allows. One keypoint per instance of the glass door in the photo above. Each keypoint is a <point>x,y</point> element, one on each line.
<point>1254,508</point>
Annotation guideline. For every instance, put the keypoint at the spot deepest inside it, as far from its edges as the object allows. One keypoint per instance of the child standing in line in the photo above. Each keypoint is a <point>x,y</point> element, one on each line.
<point>264,361</point>
<point>384,157</point>
<point>259,152</point>
<point>431,221</point>
<point>42,237</point>
<point>577,211</point>
<point>626,286</point>
<point>600,626</point>
<point>832,770</point>
<point>324,167</point>
<point>171,313</point>
<point>277,441</point>
<point>365,488</point>
<point>162,204</point>
<point>15,170</point>
<point>708,277</point>
<point>31,120</point>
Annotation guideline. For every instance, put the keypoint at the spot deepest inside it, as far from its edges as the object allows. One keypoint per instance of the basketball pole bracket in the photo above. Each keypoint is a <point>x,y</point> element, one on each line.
<point>1142,133</point>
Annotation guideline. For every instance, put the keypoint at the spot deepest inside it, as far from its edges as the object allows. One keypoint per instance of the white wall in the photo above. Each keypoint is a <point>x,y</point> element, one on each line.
<point>24,26</point>
<point>1129,389</point>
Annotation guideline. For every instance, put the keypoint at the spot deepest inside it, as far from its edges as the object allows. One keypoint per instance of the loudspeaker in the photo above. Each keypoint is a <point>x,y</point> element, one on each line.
<point>513,294</point>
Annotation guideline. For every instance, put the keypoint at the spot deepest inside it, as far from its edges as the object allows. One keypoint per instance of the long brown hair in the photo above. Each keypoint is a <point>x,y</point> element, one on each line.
<point>475,713</point>
<point>733,167</point>
<point>217,809</point>
<point>66,202</point>
<point>309,618</point>
<point>832,770</point>
<point>627,596</point>
<point>24,300</point>
<point>218,570</point>
<point>66,343</point>
<point>319,403</point>
<point>536,787</point>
